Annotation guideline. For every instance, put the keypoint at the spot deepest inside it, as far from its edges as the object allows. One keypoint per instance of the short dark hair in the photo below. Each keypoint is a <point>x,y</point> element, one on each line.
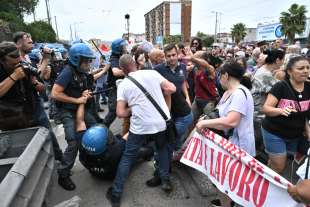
<point>273,55</point>
<point>19,35</point>
<point>170,47</point>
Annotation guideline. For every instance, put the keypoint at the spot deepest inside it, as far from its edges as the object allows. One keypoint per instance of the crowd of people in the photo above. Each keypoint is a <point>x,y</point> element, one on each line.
<point>255,95</point>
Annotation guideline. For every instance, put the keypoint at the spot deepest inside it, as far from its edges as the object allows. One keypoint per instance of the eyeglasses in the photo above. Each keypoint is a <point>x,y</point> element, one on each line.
<point>195,43</point>
<point>14,54</point>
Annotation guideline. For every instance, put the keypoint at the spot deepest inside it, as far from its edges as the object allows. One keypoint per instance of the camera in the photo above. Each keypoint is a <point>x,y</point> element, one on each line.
<point>29,69</point>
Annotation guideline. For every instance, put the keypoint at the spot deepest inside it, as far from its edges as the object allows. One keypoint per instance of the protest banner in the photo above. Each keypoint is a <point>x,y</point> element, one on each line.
<point>234,172</point>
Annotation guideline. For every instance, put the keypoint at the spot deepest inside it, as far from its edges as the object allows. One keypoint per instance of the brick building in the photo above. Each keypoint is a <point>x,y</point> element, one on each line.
<point>169,18</point>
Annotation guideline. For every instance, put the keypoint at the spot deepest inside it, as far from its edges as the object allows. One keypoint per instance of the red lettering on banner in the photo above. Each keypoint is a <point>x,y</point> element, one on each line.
<point>244,184</point>
<point>205,156</point>
<point>259,196</point>
<point>210,134</point>
<point>256,166</point>
<point>211,162</point>
<point>225,167</point>
<point>218,166</point>
<point>234,174</point>
<point>276,178</point>
<point>199,157</point>
<point>223,142</point>
<point>188,148</point>
<point>197,142</point>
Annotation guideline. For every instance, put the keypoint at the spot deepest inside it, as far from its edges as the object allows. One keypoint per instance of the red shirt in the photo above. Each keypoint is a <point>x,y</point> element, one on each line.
<point>205,87</point>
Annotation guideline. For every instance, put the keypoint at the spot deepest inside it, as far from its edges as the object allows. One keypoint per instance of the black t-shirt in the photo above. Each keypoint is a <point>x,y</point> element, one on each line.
<point>179,106</point>
<point>292,126</point>
<point>114,61</point>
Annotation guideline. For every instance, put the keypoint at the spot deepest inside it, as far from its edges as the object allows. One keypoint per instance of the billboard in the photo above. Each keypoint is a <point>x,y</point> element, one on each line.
<point>273,31</point>
<point>175,18</point>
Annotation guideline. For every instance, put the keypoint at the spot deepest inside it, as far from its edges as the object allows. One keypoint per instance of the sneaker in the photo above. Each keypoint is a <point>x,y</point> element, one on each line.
<point>153,182</point>
<point>66,183</point>
<point>114,200</point>
<point>166,186</point>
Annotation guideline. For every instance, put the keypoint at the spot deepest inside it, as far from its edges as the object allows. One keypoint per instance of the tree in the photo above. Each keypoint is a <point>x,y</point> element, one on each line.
<point>41,31</point>
<point>238,32</point>
<point>293,21</point>
<point>18,7</point>
<point>172,39</point>
<point>207,40</point>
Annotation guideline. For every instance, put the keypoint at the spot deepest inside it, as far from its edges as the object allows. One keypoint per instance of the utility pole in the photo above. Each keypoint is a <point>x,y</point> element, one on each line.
<point>127,17</point>
<point>71,33</point>
<point>48,12</point>
<point>56,28</point>
<point>215,32</point>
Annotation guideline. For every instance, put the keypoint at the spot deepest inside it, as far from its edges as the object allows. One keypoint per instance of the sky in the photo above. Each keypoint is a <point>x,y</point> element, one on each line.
<point>104,19</point>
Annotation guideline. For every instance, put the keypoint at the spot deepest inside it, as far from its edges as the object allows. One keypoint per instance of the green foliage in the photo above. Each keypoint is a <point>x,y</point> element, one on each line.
<point>238,32</point>
<point>293,21</point>
<point>18,7</point>
<point>41,31</point>
<point>174,39</point>
<point>15,23</point>
<point>207,40</point>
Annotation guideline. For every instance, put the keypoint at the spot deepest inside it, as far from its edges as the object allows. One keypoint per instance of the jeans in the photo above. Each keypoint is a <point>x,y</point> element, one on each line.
<point>110,117</point>
<point>68,119</point>
<point>130,154</point>
<point>182,124</point>
<point>42,120</point>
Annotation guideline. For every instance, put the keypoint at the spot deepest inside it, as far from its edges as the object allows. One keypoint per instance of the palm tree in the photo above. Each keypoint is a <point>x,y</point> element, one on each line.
<point>238,32</point>
<point>293,21</point>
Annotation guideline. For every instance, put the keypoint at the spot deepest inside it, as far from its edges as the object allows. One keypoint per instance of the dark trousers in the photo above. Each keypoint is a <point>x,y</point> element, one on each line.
<point>110,117</point>
<point>68,119</point>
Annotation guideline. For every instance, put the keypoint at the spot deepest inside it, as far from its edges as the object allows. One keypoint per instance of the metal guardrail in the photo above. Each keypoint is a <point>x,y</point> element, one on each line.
<point>29,164</point>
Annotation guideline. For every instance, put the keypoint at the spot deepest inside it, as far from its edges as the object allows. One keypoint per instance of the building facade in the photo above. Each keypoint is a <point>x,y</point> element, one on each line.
<point>169,18</point>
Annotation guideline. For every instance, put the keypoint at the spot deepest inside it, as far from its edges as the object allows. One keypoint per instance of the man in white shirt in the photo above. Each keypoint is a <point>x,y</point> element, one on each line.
<point>145,122</point>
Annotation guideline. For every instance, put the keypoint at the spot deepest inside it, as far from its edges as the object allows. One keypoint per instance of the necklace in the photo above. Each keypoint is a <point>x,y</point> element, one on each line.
<point>299,95</point>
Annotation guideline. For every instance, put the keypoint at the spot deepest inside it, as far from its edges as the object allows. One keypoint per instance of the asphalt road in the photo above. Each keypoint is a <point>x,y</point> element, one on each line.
<point>191,188</point>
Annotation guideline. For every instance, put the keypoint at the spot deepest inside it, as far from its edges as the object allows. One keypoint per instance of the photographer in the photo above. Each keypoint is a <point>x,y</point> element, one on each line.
<point>20,105</point>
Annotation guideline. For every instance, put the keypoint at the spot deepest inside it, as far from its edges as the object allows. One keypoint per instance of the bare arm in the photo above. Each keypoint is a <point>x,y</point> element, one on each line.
<point>80,123</point>
<point>203,63</point>
<point>167,87</point>
<point>270,109</point>
<point>168,101</point>
<point>230,121</point>
<point>59,95</point>
<point>117,72</point>
<point>307,129</point>
<point>185,92</point>
<point>122,109</point>
<point>101,72</point>
<point>7,83</point>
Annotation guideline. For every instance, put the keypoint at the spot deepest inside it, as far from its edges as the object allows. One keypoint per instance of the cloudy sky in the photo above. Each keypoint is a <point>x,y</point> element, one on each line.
<point>104,19</point>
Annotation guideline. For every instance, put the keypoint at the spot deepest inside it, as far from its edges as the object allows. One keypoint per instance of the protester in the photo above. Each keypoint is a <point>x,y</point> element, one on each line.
<point>196,44</point>
<point>286,114</point>
<point>139,59</point>
<point>235,114</point>
<point>146,122</point>
<point>157,57</point>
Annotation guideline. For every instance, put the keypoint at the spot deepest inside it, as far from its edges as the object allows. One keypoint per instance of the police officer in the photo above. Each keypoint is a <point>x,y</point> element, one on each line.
<point>114,73</point>
<point>70,90</point>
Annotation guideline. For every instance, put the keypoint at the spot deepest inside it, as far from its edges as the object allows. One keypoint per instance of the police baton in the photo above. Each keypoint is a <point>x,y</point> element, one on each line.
<point>98,49</point>
<point>101,91</point>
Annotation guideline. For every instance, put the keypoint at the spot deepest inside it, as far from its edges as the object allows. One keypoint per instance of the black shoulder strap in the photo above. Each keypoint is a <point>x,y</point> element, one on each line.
<point>246,97</point>
<point>162,113</point>
<point>308,164</point>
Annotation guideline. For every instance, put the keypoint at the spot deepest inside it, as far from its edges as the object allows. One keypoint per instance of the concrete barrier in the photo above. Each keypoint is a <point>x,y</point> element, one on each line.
<point>26,168</point>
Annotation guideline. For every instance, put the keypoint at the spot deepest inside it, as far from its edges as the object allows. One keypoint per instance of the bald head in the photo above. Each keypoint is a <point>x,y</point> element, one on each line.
<point>127,64</point>
<point>157,56</point>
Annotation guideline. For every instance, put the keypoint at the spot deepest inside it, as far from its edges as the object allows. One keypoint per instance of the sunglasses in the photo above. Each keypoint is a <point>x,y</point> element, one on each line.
<point>195,43</point>
<point>14,54</point>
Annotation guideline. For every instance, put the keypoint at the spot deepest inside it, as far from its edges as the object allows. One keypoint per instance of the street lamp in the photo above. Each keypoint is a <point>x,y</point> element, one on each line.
<point>127,17</point>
